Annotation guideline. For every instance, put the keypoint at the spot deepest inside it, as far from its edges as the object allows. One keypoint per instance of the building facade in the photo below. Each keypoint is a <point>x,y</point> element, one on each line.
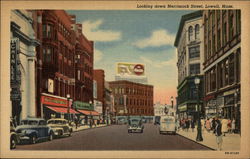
<point>189,44</point>
<point>133,99</point>
<point>222,58</point>
<point>64,65</point>
<point>23,56</point>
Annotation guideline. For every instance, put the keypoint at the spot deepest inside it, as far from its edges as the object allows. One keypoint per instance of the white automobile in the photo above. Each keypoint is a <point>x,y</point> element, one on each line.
<point>167,125</point>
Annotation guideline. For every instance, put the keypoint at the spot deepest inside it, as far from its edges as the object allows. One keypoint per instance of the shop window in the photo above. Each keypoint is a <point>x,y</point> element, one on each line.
<point>194,52</point>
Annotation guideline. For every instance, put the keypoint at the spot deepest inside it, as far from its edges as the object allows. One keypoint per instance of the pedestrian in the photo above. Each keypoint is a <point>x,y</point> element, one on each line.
<point>187,124</point>
<point>208,125</point>
<point>203,126</point>
<point>218,134</point>
<point>213,125</point>
<point>192,125</point>
<point>224,128</point>
<point>229,126</point>
<point>233,126</point>
<point>76,121</point>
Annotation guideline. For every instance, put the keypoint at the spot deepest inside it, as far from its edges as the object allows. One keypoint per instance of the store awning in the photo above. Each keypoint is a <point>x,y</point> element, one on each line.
<point>88,112</point>
<point>62,110</point>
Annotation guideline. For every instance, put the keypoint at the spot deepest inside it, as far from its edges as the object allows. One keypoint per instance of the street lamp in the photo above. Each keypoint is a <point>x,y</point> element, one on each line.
<point>90,104</point>
<point>199,135</point>
<point>172,101</point>
<point>68,98</point>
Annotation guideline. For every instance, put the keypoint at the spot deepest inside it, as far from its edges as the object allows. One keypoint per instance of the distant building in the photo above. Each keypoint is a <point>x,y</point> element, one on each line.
<point>133,72</point>
<point>132,98</point>
<point>222,63</point>
<point>189,43</point>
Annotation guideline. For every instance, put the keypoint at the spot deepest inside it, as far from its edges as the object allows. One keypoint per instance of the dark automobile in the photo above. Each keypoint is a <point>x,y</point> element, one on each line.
<point>34,129</point>
<point>14,137</point>
<point>135,125</point>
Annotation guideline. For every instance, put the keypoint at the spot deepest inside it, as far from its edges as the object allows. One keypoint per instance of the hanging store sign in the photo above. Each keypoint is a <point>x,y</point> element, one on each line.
<point>15,74</point>
<point>55,101</point>
<point>82,105</point>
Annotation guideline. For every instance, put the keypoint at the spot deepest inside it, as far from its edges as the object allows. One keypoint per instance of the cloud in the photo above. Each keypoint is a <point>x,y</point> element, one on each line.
<point>97,55</point>
<point>92,32</point>
<point>158,38</point>
<point>159,64</point>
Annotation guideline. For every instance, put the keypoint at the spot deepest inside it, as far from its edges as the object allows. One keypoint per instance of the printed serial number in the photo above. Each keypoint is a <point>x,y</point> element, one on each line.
<point>232,153</point>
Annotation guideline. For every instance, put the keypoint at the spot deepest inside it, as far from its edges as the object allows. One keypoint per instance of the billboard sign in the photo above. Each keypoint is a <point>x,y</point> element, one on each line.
<point>130,69</point>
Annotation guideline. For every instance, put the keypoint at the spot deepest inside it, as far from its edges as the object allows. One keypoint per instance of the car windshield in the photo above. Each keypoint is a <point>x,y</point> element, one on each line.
<point>29,122</point>
<point>134,121</point>
<point>55,122</point>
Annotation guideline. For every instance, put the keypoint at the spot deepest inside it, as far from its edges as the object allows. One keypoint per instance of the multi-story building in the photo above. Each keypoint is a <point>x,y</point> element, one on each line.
<point>64,65</point>
<point>189,44</point>
<point>22,72</point>
<point>99,101</point>
<point>83,100</point>
<point>132,98</point>
<point>222,47</point>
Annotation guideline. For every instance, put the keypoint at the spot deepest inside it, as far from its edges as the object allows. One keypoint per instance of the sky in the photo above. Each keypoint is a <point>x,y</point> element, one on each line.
<point>136,36</point>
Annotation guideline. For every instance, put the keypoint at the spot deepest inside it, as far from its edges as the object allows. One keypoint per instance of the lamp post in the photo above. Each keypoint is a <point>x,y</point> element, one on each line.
<point>172,102</point>
<point>90,104</point>
<point>199,135</point>
<point>68,98</point>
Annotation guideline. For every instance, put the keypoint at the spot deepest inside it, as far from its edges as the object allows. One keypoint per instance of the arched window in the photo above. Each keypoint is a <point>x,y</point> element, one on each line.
<point>197,31</point>
<point>190,33</point>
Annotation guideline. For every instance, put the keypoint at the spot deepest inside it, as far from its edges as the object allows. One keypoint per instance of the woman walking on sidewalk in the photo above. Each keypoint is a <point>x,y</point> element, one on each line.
<point>218,134</point>
<point>193,125</point>
<point>208,125</point>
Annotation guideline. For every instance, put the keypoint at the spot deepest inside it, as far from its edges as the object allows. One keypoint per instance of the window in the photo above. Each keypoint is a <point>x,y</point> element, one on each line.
<point>218,40</point>
<point>231,69</point>
<point>194,69</point>
<point>224,34</point>
<point>194,52</point>
<point>231,27</point>
<point>78,74</point>
<point>190,33</point>
<point>197,31</point>
<point>47,54</point>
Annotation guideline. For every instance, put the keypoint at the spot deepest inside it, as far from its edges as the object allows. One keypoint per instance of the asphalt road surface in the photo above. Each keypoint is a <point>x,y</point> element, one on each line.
<point>116,137</point>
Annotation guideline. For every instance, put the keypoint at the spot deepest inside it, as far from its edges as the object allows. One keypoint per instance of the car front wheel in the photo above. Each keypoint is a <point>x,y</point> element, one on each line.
<point>12,143</point>
<point>50,136</point>
<point>33,139</point>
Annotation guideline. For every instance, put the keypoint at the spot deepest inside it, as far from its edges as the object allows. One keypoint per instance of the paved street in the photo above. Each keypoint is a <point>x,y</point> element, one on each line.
<point>116,137</point>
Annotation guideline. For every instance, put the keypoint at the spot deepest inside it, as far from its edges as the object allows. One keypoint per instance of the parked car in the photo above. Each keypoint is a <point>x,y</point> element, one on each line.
<point>167,125</point>
<point>14,137</point>
<point>34,129</point>
<point>60,127</point>
<point>135,125</point>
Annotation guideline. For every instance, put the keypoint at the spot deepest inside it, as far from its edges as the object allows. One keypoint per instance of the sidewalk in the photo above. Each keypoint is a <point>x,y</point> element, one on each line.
<point>83,127</point>
<point>230,141</point>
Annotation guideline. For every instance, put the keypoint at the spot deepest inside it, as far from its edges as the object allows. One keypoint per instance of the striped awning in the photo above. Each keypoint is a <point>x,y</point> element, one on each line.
<point>88,112</point>
<point>62,110</point>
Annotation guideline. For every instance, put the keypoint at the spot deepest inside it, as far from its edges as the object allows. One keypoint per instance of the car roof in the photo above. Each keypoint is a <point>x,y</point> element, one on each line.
<point>29,118</point>
<point>57,119</point>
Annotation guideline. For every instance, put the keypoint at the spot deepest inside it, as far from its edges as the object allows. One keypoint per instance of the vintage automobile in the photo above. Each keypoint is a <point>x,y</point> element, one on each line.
<point>14,137</point>
<point>34,129</point>
<point>60,127</point>
<point>135,125</point>
<point>167,125</point>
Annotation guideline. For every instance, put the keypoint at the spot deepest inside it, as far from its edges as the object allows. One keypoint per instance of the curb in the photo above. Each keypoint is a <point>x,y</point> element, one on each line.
<point>90,128</point>
<point>195,141</point>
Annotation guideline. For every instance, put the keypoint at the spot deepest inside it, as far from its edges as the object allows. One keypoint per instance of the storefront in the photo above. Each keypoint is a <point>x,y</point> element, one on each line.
<point>182,109</point>
<point>58,107</point>
<point>86,111</point>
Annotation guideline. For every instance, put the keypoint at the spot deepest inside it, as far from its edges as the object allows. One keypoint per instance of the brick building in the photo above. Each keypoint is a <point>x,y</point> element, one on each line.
<point>99,77</point>
<point>64,64</point>
<point>132,98</point>
<point>222,47</point>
